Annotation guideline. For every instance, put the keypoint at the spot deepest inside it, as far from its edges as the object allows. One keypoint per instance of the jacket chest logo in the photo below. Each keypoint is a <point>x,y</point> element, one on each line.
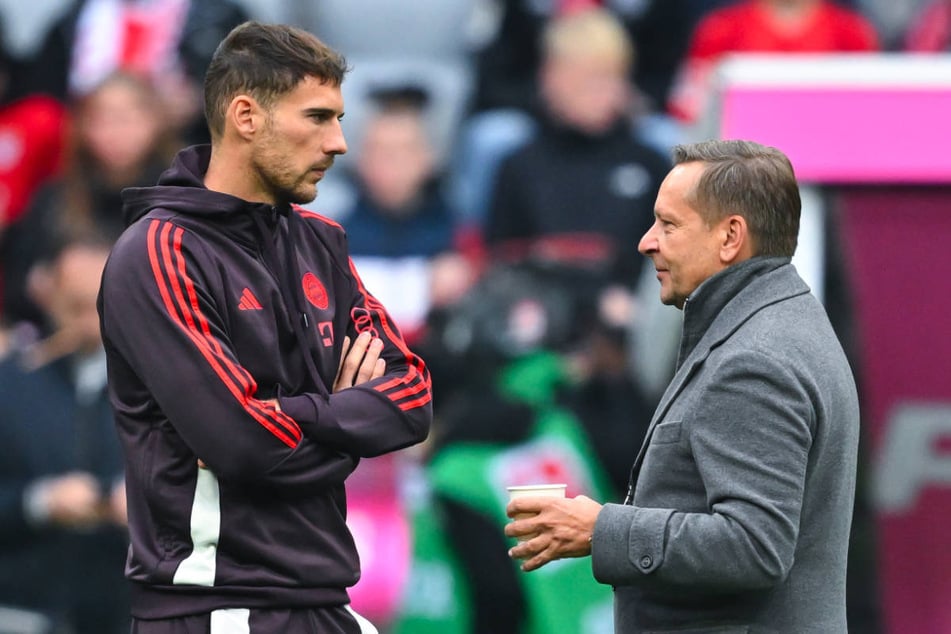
<point>248,301</point>
<point>314,291</point>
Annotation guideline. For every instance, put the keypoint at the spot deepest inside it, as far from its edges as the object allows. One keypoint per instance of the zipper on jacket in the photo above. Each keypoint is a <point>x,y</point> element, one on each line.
<point>288,286</point>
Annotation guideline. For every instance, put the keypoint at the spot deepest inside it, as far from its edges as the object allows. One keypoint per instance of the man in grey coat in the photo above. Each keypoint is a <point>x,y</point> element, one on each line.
<point>738,513</point>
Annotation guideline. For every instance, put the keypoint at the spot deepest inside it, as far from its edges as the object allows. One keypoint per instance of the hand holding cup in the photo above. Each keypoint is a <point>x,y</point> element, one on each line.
<point>534,490</point>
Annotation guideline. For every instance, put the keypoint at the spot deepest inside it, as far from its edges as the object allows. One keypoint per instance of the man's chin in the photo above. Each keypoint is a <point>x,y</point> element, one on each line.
<point>670,300</point>
<point>302,195</point>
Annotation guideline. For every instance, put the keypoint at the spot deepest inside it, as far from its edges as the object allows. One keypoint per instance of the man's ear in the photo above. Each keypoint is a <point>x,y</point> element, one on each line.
<point>245,115</point>
<point>736,244</point>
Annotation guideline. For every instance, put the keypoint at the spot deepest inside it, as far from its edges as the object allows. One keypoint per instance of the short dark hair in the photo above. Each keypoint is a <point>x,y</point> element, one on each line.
<point>752,180</point>
<point>265,61</point>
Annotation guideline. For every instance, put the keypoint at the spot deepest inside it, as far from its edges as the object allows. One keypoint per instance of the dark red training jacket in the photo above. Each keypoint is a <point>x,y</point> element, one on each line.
<point>209,306</point>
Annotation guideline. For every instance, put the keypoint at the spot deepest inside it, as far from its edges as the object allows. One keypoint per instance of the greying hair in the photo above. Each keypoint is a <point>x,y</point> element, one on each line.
<point>752,180</point>
<point>265,61</point>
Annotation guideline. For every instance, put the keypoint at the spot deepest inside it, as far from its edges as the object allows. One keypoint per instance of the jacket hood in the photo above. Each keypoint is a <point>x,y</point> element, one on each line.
<point>181,189</point>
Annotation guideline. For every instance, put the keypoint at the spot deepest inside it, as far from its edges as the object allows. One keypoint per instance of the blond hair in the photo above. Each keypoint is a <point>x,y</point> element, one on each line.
<point>592,32</point>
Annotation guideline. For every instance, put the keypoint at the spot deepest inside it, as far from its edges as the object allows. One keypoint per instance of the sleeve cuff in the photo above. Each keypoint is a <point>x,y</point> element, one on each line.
<point>301,408</point>
<point>312,413</point>
<point>628,543</point>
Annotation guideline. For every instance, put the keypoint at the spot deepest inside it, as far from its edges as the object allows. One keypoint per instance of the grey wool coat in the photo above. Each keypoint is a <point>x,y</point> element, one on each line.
<point>741,502</point>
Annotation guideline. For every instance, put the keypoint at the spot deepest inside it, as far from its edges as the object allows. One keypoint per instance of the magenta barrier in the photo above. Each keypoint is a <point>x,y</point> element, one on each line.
<point>898,250</point>
<point>867,134</point>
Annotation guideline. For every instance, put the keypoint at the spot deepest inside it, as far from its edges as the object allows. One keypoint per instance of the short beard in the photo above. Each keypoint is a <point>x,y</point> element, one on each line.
<point>284,196</point>
<point>275,169</point>
<point>280,189</point>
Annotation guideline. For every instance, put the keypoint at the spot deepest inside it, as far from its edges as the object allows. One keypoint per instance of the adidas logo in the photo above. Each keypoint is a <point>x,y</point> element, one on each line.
<point>249,301</point>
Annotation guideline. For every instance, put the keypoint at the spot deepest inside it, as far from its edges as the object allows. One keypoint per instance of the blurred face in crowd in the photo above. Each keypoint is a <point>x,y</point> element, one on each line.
<point>395,159</point>
<point>587,92</point>
<point>119,124</point>
<point>684,249</point>
<point>73,288</point>
<point>296,144</point>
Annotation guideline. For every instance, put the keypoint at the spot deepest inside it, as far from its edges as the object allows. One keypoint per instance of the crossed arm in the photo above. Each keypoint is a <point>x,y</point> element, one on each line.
<point>360,363</point>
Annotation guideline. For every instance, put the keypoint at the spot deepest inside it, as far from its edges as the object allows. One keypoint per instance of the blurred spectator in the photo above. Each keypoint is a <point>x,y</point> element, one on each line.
<point>32,140</point>
<point>583,189</point>
<point>32,134</point>
<point>930,31</point>
<point>764,26</point>
<point>891,19</point>
<point>170,42</point>
<point>506,100</point>
<point>509,62</point>
<point>401,223</point>
<point>427,43</point>
<point>119,140</point>
<point>400,209</point>
<point>62,501</point>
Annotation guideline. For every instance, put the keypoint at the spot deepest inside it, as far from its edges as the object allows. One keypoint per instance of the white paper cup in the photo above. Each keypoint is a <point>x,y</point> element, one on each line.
<point>535,491</point>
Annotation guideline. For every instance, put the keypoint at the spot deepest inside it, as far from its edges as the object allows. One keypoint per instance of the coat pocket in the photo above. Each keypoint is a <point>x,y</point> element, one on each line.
<point>667,432</point>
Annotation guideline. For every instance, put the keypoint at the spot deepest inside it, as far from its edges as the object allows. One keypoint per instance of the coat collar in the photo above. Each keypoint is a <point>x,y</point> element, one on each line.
<point>705,304</point>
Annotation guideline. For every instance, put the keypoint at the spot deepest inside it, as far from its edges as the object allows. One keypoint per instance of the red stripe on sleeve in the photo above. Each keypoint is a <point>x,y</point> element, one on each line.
<point>191,332</point>
<point>408,405</point>
<point>242,375</point>
<point>417,373</point>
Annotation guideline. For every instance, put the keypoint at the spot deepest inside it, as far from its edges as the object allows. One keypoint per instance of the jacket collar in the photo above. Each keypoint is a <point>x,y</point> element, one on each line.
<point>706,302</point>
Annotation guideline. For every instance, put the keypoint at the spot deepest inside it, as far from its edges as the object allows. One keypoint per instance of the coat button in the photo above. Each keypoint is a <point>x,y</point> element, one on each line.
<point>646,561</point>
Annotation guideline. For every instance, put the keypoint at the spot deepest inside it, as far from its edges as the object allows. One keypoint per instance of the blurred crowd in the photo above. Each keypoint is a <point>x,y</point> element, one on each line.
<point>504,159</point>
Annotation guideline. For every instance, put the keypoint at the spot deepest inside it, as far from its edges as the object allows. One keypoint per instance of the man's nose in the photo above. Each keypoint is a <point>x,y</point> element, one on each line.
<point>648,243</point>
<point>335,143</point>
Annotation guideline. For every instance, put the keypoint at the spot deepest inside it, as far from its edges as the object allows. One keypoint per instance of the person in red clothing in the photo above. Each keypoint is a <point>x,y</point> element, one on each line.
<point>119,137</point>
<point>764,26</point>
<point>32,144</point>
<point>32,139</point>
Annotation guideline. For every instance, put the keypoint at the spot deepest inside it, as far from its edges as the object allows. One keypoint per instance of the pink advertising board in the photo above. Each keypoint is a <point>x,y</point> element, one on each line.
<point>867,134</point>
<point>884,119</point>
